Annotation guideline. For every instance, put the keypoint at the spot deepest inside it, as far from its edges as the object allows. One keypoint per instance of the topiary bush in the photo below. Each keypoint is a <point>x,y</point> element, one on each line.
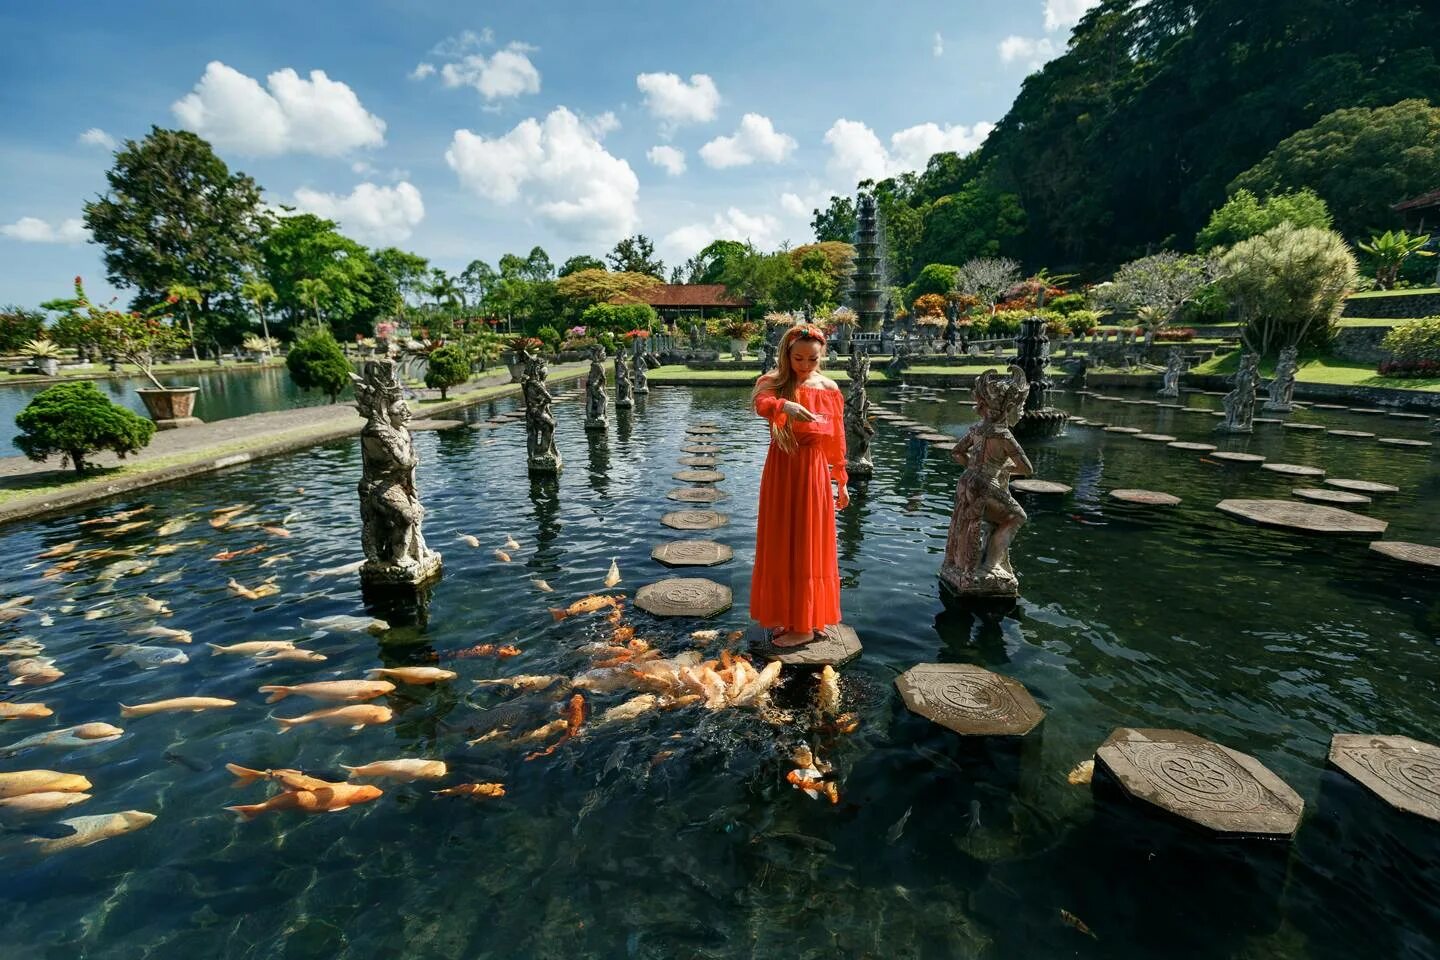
<point>316,362</point>
<point>449,367</point>
<point>76,420</point>
<point>1414,349</point>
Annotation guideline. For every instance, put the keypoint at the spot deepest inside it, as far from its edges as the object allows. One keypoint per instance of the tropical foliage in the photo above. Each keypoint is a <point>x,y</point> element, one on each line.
<point>316,362</point>
<point>1289,285</point>
<point>77,421</point>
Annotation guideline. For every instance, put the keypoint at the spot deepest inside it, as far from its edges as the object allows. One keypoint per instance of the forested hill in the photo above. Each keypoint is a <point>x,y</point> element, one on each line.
<point>1127,141</point>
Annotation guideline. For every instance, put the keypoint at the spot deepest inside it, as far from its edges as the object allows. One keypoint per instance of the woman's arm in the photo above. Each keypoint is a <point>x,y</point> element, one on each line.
<point>835,441</point>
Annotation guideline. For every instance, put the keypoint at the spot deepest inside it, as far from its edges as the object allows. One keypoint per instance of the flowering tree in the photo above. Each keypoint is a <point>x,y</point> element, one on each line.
<point>1161,284</point>
<point>139,337</point>
<point>987,278</point>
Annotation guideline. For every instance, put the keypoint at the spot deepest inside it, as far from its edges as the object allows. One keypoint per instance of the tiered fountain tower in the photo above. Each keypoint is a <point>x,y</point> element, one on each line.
<point>867,286</point>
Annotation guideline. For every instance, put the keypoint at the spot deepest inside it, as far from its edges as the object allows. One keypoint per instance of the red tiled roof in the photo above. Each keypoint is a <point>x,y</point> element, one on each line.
<point>690,295</point>
<point>1431,199</point>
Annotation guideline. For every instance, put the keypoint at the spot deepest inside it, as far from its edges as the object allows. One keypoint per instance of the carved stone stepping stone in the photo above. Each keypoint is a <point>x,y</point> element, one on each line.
<point>684,597</point>
<point>1217,413</point>
<point>701,431</point>
<point>1302,426</point>
<point>970,700</point>
<point>1148,403</point>
<point>1230,456</point>
<point>706,424</point>
<point>416,425</point>
<point>1149,498</point>
<point>1155,437</point>
<point>1404,442</point>
<point>694,520</point>
<point>697,495</point>
<point>1031,485</point>
<point>1361,486</point>
<point>698,476</point>
<point>692,553</point>
<point>1368,411</point>
<point>1305,517</point>
<point>1403,415</point>
<point>1188,445</point>
<point>1338,498</point>
<point>694,460</point>
<point>700,448</point>
<point>839,646</point>
<point>1122,429</point>
<point>1363,434</point>
<point>1293,469</point>
<point>1416,553</point>
<point>1328,406</point>
<point>1405,773</point>
<point>1223,790</point>
<point>935,437</point>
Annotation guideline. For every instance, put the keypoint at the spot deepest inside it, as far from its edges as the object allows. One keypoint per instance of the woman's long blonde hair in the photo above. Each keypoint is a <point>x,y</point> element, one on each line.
<point>782,382</point>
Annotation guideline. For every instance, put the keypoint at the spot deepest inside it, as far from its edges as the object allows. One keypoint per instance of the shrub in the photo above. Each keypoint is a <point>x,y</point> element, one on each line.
<point>1176,334</point>
<point>1005,323</point>
<point>1066,303</point>
<point>18,325</point>
<point>449,367</point>
<point>1410,368</point>
<point>1418,340</point>
<point>316,362</point>
<point>76,420</point>
<point>1245,215</point>
<point>618,317</point>
<point>549,336</point>
<point>1083,321</point>
<point>1289,285</point>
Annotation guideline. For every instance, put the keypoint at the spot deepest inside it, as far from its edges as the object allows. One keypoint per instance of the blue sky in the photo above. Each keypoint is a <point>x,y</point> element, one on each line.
<point>465,130</point>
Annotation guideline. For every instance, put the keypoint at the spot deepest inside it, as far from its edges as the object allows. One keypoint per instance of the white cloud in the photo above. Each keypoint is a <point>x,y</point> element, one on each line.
<point>1064,14</point>
<point>761,229</point>
<point>671,159</point>
<point>755,141</point>
<point>508,73</point>
<point>98,138</point>
<point>672,100</point>
<point>463,42</point>
<point>857,153</point>
<point>559,169</point>
<point>607,122</point>
<point>938,46</point>
<point>318,115</point>
<point>371,213</point>
<point>793,205</point>
<point>422,70</point>
<point>1033,51</point>
<point>35,230</point>
<point>912,147</point>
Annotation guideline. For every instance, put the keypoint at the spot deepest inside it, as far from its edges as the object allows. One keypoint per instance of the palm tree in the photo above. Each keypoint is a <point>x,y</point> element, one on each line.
<point>1391,249</point>
<point>446,291</point>
<point>186,295</point>
<point>259,292</point>
<point>310,291</point>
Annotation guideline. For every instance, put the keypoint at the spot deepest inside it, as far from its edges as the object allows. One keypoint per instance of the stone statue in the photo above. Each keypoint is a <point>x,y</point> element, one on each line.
<point>642,385</point>
<point>899,360</point>
<point>595,402</point>
<point>767,356</point>
<point>1079,374</point>
<point>858,428</point>
<point>986,516</point>
<point>1282,388</point>
<point>624,400</point>
<point>1240,402</point>
<point>695,343</point>
<point>390,511</point>
<point>541,455</point>
<point>1174,367</point>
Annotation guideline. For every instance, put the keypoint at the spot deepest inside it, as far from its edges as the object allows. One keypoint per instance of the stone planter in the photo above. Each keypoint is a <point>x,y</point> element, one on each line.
<point>737,349</point>
<point>172,407</point>
<point>47,365</point>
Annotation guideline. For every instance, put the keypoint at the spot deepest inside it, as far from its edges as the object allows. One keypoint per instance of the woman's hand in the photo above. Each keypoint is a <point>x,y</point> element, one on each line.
<point>842,498</point>
<point>798,412</point>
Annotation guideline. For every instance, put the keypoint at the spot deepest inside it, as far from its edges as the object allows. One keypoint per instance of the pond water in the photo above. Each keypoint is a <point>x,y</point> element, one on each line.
<point>676,835</point>
<point>222,395</point>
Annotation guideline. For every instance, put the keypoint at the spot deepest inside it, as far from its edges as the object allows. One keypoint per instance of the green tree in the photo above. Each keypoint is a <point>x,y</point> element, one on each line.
<point>936,278</point>
<point>446,290</point>
<point>836,222</point>
<point>1245,215</point>
<point>311,292</point>
<point>259,293</point>
<point>580,262</point>
<point>1289,285</point>
<point>1390,250</point>
<point>477,279</point>
<point>615,318</point>
<point>316,362</point>
<point>76,421</point>
<point>636,255</point>
<point>18,325</point>
<point>978,220</point>
<point>185,296</point>
<point>139,337</point>
<point>449,366</point>
<point>409,272</point>
<point>358,290</point>
<point>538,267</point>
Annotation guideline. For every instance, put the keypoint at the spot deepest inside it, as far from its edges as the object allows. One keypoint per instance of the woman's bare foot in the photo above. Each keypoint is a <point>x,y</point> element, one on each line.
<point>793,638</point>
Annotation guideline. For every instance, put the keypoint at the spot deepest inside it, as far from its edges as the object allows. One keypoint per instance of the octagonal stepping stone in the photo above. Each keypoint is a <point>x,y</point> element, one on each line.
<point>1170,406</point>
<point>1217,413</point>
<point>697,495</point>
<point>1302,426</point>
<point>1328,406</point>
<point>1404,442</point>
<point>1231,456</point>
<point>701,431</point>
<point>1293,469</point>
<point>1097,423</point>
<point>1364,434</point>
<point>1122,429</point>
<point>1225,791</point>
<point>692,553</point>
<point>700,448</point>
<point>970,700</point>
<point>695,460</point>
<point>684,597</point>
<point>1132,402</point>
<point>1405,773</point>
<point>1304,517</point>
<point>698,476</point>
<point>1188,445</point>
<point>1203,410</point>
<point>1155,437</point>
<point>1361,486</point>
<point>1416,553</point>
<point>935,437</point>
<point>945,447</point>
<point>1266,420</point>
<point>1148,498</point>
<point>708,424</point>
<point>1148,403</point>
<point>1215,393</point>
<point>1404,415</point>
<point>694,520</point>
<point>1031,485</point>
<point>839,646</point>
<point>1338,498</point>
<point>416,425</point>
<point>1368,411</point>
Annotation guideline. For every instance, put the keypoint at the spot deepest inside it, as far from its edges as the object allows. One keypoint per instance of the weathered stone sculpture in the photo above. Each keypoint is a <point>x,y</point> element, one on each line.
<point>624,399</point>
<point>858,428</point>
<point>1032,354</point>
<point>642,384</point>
<point>1174,367</point>
<point>540,453</point>
<point>767,356</point>
<point>899,360</point>
<point>1240,402</point>
<point>986,517</point>
<point>390,511</point>
<point>595,402</point>
<point>1282,388</point>
<point>695,343</point>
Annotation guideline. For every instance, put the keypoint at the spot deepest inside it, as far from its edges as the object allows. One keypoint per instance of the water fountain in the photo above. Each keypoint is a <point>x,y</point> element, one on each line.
<point>1033,355</point>
<point>867,281</point>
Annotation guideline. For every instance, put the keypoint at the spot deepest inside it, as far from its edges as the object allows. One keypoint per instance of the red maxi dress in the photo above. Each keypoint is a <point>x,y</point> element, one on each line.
<point>796,580</point>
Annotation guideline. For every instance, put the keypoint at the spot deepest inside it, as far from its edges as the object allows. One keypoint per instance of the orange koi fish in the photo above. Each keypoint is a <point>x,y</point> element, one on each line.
<point>586,605</point>
<point>575,715</point>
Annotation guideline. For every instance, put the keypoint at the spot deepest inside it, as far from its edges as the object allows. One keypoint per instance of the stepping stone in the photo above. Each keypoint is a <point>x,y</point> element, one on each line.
<point>1368,411</point>
<point>945,447</point>
<point>698,476</point>
<point>694,520</point>
<point>1401,414</point>
<point>1031,485</point>
<point>1148,403</point>
<point>1337,498</point>
<point>1155,437</point>
<point>706,424</point>
<point>1266,420</point>
<point>1361,486</point>
<point>1225,791</point>
<point>1328,406</point>
<point>970,700</point>
<point>1302,426</point>
<point>839,646</point>
<point>1405,773</point>
<point>1230,456</point>
<point>1132,402</point>
<point>691,553</point>
<point>1215,393</point>
<point>1416,553</point>
<point>1171,406</point>
<point>1293,469</point>
<point>697,495</point>
<point>697,461</point>
<point>684,597</point>
<point>701,431</point>
<point>1196,410</point>
<point>1403,442</point>
<point>416,425</point>
<point>1187,445</point>
<point>1350,433</point>
<point>1305,517</point>
<point>1217,413</point>
<point>1122,429</point>
<point>935,437</point>
<point>1149,498</point>
<point>700,448</point>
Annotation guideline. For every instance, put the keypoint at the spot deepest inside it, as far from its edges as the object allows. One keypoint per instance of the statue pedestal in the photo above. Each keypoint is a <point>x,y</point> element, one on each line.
<point>999,585</point>
<point>1272,407</point>
<point>1044,422</point>
<point>860,469</point>
<point>415,574</point>
<point>548,464</point>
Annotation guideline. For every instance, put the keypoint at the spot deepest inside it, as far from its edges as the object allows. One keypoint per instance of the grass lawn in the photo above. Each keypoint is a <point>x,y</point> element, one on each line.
<point>1371,294</point>
<point>93,371</point>
<point>1319,368</point>
<point>1372,321</point>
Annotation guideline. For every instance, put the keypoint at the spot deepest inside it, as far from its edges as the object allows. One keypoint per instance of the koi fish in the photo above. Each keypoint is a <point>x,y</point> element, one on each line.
<point>59,550</point>
<point>1082,774</point>
<point>176,705</point>
<point>469,540</point>
<point>613,577</point>
<point>422,676</point>
<point>401,771</point>
<point>525,682</point>
<point>288,779</point>
<point>224,555</point>
<point>588,604</point>
<point>335,691</point>
<point>78,736</point>
<point>176,525</point>
<point>155,630</point>
<point>474,791</point>
<point>355,716</point>
<point>41,781</point>
<point>346,623</point>
<point>827,696</point>
<point>328,799</point>
<point>276,531</point>
<point>485,650</point>
<point>147,658</point>
<point>24,711</point>
<point>34,672</point>
<point>1070,920</point>
<point>250,647</point>
<point>293,653</point>
<point>502,556</point>
<point>543,586</point>
<point>343,570</point>
<point>93,829</point>
<point>120,517</point>
<point>49,801</point>
<point>510,543</point>
<point>575,715</point>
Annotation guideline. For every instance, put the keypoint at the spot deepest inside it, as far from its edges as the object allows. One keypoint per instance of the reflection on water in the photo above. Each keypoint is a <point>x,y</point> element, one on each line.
<point>675,834</point>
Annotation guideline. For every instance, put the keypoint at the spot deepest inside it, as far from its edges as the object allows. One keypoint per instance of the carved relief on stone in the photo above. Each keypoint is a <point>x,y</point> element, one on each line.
<point>1282,388</point>
<point>858,428</point>
<point>624,391</point>
<point>595,402</point>
<point>541,454</point>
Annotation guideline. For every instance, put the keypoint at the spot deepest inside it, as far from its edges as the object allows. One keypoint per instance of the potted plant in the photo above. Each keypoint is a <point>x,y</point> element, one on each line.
<point>737,332</point>
<point>45,355</point>
<point>514,362</point>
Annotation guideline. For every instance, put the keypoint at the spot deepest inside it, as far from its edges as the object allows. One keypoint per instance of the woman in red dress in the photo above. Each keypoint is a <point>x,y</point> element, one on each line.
<point>795,586</point>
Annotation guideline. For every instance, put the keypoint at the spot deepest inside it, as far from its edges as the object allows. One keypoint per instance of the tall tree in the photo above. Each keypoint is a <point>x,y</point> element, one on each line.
<point>636,255</point>
<point>538,267</point>
<point>477,278</point>
<point>410,272</point>
<point>836,222</point>
<point>358,291</point>
<point>259,293</point>
<point>581,261</point>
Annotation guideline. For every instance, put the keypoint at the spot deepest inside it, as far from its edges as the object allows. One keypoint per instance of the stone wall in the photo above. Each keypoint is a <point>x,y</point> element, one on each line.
<point>1398,307</point>
<point>1361,344</point>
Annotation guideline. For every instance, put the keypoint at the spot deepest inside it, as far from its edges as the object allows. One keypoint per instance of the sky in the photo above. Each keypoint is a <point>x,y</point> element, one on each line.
<point>468,130</point>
